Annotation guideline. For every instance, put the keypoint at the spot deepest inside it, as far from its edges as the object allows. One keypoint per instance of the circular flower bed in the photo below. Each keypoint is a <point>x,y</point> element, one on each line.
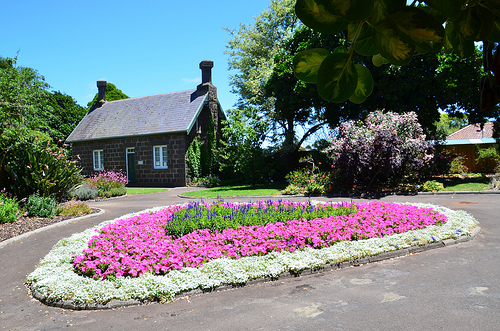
<point>134,258</point>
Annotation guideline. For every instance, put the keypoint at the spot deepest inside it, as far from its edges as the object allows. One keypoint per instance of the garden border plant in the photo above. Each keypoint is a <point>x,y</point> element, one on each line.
<point>55,283</point>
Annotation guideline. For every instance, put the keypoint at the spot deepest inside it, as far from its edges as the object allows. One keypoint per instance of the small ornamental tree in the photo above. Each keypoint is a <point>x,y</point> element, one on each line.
<point>379,153</point>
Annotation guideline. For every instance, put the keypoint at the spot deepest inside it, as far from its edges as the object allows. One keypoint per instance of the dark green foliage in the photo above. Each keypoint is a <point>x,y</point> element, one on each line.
<point>39,206</point>
<point>240,155</point>
<point>9,209</point>
<point>194,159</point>
<point>487,159</point>
<point>230,216</point>
<point>22,99</point>
<point>84,192</point>
<point>31,120</point>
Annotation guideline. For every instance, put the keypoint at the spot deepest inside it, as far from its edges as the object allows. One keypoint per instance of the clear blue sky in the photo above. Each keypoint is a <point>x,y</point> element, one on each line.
<point>144,48</point>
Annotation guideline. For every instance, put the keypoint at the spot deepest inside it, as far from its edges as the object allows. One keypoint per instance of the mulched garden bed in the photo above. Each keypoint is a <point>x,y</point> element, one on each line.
<point>27,224</point>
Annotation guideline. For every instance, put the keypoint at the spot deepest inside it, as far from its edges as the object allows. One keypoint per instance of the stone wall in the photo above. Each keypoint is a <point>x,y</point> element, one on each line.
<point>114,152</point>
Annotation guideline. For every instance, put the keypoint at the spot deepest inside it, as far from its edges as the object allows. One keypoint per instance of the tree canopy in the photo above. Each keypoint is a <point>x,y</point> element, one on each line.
<point>390,31</point>
<point>112,94</point>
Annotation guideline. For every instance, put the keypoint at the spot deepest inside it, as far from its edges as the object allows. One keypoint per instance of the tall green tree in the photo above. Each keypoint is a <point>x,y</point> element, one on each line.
<point>22,92</point>
<point>29,160</point>
<point>65,114</point>
<point>252,49</point>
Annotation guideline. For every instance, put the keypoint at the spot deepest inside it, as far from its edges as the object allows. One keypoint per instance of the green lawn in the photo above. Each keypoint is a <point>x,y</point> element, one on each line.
<point>238,191</point>
<point>471,183</point>
<point>140,190</point>
<point>481,183</point>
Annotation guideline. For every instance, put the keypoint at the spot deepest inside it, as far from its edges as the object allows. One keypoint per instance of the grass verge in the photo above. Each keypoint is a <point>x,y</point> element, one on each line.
<point>238,191</point>
<point>139,190</point>
<point>469,183</point>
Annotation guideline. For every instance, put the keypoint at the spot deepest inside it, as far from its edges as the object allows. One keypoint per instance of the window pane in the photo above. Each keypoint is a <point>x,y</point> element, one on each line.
<point>164,156</point>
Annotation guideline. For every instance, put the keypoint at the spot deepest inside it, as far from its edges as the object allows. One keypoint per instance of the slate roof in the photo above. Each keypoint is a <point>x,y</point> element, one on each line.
<point>156,114</point>
<point>472,134</point>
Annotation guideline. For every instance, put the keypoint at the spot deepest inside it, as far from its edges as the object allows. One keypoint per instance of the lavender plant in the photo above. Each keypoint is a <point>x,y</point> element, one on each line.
<point>225,215</point>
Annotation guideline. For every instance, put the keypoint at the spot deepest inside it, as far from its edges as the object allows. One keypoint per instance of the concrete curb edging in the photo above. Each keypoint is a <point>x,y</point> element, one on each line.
<point>286,275</point>
<point>48,227</point>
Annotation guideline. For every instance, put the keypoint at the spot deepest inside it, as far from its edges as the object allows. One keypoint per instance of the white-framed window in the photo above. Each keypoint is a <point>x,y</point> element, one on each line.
<point>160,157</point>
<point>98,160</point>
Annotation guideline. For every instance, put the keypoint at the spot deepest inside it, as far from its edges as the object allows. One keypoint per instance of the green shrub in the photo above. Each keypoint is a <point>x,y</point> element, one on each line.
<point>114,192</point>
<point>210,181</point>
<point>458,166</point>
<point>39,206</point>
<point>487,159</point>
<point>226,215</point>
<point>9,209</point>
<point>84,192</point>
<point>432,186</point>
<point>75,208</point>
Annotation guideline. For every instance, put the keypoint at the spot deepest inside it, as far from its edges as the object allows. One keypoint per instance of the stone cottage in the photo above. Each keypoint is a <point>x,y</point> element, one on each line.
<point>147,137</point>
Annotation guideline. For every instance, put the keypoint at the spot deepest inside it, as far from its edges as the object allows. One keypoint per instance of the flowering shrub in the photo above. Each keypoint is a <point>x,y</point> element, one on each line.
<point>308,180</point>
<point>432,186</point>
<point>75,208</point>
<point>381,152</point>
<point>458,165</point>
<point>109,183</point>
<point>138,245</point>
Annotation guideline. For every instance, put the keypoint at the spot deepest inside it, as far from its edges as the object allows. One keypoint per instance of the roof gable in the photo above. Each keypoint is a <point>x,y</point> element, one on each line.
<point>149,115</point>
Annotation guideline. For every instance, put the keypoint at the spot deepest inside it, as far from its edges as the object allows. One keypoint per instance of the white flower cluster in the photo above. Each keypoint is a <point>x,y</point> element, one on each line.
<point>55,280</point>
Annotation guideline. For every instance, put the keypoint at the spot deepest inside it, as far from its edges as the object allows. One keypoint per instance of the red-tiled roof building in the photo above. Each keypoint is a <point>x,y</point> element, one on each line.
<point>466,141</point>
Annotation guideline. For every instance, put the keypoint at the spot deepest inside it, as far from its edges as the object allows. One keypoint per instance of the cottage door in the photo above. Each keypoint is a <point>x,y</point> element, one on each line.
<point>131,165</point>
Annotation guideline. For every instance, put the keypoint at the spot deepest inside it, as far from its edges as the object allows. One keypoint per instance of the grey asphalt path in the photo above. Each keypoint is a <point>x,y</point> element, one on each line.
<point>451,288</point>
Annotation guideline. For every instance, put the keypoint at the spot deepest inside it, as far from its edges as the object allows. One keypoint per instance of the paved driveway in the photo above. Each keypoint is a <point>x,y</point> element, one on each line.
<point>451,288</point>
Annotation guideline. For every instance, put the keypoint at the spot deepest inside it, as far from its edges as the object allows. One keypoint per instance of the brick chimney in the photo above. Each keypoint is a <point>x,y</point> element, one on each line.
<point>207,87</point>
<point>101,86</point>
<point>206,77</point>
